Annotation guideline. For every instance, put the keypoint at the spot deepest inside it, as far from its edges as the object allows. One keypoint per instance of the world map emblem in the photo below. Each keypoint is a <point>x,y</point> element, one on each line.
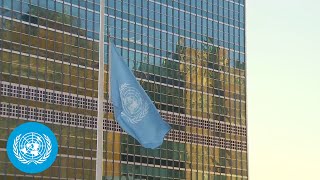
<point>135,107</point>
<point>32,147</point>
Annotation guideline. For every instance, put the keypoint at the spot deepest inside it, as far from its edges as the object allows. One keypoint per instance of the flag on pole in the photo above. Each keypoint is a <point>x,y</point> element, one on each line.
<point>133,109</point>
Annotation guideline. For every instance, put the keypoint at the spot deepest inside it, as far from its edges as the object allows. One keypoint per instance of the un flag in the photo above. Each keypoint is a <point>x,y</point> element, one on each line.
<point>133,109</point>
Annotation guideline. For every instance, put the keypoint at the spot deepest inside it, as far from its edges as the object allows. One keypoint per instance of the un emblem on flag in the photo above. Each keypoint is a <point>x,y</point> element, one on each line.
<point>135,108</point>
<point>32,147</point>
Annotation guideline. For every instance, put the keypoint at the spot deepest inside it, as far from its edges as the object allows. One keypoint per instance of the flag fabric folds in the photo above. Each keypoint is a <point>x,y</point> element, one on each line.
<point>133,109</point>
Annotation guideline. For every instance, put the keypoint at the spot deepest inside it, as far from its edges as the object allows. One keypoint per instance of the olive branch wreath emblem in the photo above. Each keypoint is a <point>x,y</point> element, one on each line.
<point>145,107</point>
<point>25,161</point>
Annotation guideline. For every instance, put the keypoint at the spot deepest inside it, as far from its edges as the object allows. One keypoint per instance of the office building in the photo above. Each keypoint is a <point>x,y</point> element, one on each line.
<point>189,56</point>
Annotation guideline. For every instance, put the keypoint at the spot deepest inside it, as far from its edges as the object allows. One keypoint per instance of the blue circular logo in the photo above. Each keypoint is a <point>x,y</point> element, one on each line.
<point>32,147</point>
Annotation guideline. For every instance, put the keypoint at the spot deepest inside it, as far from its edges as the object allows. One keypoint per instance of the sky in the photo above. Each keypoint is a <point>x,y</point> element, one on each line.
<point>283,79</point>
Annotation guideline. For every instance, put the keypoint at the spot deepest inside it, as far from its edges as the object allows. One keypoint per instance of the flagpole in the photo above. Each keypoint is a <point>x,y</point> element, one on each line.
<point>109,64</point>
<point>99,155</point>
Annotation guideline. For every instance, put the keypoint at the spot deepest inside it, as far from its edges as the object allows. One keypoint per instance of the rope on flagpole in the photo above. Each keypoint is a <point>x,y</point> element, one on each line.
<point>99,155</point>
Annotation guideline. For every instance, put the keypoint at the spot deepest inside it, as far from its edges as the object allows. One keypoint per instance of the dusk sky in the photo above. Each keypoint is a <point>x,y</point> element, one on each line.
<point>283,69</point>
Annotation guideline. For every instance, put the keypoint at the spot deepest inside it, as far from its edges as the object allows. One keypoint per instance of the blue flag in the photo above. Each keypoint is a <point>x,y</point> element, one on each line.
<point>133,109</point>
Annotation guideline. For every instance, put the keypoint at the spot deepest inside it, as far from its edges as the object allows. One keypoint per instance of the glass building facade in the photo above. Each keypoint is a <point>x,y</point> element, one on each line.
<point>189,56</point>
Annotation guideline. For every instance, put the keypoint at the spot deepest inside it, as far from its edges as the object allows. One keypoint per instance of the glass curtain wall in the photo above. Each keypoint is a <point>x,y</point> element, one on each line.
<point>189,56</point>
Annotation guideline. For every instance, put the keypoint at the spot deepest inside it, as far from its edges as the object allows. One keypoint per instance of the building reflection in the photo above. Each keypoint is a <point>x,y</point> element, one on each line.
<point>48,73</point>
